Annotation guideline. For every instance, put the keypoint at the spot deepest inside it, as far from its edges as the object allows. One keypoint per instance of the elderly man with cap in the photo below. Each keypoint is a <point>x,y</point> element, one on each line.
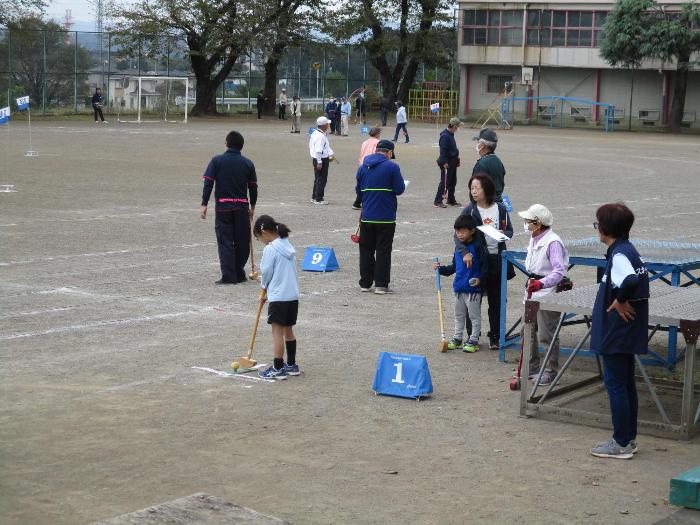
<point>379,181</point>
<point>321,155</point>
<point>546,264</point>
<point>448,162</point>
<point>488,162</point>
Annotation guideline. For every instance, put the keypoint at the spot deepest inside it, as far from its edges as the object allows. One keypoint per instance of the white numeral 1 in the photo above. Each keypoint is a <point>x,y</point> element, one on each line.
<point>399,369</point>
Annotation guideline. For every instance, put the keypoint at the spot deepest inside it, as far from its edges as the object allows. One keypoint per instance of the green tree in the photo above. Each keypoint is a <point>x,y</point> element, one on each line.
<point>291,28</point>
<point>14,10</point>
<point>399,35</point>
<point>44,61</point>
<point>217,33</point>
<point>638,30</point>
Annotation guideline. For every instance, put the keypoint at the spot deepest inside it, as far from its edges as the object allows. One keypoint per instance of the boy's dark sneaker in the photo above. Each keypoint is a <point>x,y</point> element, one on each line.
<point>454,343</point>
<point>493,344</point>
<point>292,370</point>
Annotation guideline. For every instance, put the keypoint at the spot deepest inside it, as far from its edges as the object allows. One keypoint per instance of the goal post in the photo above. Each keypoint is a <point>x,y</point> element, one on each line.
<point>156,99</point>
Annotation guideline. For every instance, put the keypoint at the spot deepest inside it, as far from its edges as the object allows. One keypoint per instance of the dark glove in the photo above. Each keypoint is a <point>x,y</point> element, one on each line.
<point>534,286</point>
<point>459,162</point>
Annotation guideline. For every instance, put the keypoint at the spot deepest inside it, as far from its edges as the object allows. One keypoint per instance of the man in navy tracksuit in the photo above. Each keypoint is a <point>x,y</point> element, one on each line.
<point>619,326</point>
<point>379,181</point>
<point>234,177</point>
<point>448,161</point>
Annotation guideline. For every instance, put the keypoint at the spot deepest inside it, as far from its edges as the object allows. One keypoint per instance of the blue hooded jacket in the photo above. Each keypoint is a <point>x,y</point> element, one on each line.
<point>379,181</point>
<point>462,271</point>
<point>448,147</point>
<point>278,271</point>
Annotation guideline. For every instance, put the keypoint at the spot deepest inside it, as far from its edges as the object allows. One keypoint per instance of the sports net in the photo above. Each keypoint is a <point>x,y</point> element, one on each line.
<point>152,99</point>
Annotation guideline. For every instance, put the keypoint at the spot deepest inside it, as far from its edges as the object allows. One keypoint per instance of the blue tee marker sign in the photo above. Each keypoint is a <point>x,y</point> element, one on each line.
<point>402,375</point>
<point>319,259</point>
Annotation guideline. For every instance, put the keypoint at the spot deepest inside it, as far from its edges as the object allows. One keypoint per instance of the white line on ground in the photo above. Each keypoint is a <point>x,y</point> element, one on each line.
<point>235,376</point>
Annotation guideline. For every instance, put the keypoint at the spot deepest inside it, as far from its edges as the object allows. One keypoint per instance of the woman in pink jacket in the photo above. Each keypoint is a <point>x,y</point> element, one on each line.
<point>368,147</point>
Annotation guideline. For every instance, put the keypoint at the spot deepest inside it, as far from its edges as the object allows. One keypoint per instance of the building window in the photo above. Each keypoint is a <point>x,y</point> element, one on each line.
<point>494,28</point>
<point>565,28</point>
<point>497,83</point>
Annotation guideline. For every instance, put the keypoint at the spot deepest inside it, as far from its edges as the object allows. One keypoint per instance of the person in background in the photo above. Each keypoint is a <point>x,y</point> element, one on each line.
<point>283,105</point>
<point>296,114</point>
<point>488,162</point>
<point>448,161</point>
<point>331,108</point>
<point>383,110</point>
<point>97,105</point>
<point>401,121</point>
<point>321,154</point>
<point>345,111</point>
<point>619,326</point>
<point>260,102</point>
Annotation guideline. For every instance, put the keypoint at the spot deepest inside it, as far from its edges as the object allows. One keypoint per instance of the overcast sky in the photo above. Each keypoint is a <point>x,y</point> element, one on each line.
<point>81,9</point>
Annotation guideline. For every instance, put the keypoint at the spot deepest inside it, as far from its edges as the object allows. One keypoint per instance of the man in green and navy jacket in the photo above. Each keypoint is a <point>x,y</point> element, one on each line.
<point>379,181</point>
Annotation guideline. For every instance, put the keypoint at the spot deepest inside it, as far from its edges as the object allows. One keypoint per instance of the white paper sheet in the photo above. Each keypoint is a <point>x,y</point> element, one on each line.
<point>493,233</point>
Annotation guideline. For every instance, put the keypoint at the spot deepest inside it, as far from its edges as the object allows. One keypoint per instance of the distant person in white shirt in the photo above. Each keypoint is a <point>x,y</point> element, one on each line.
<point>283,105</point>
<point>296,114</point>
<point>321,155</point>
<point>401,121</point>
<point>345,111</point>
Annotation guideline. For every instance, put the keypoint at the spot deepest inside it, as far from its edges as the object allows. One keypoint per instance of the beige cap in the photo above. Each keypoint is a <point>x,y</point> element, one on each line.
<point>538,213</point>
<point>455,122</point>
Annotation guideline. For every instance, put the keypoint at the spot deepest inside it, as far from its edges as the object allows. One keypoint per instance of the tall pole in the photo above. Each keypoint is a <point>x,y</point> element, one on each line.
<point>43,83</point>
<point>347,74</point>
<point>75,74</point>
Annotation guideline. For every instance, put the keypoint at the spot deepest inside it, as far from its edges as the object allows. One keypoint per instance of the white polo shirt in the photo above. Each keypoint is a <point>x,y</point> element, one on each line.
<point>319,146</point>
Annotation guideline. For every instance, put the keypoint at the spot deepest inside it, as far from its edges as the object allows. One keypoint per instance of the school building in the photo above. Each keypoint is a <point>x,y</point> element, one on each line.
<point>552,50</point>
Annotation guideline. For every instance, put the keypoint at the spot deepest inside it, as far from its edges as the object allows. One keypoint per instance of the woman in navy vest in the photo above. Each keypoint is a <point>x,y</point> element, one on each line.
<point>619,326</point>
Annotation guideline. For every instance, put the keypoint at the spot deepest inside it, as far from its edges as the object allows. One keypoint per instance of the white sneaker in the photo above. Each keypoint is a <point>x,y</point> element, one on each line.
<point>105,122</point>
<point>322,203</point>
<point>313,201</point>
<point>383,290</point>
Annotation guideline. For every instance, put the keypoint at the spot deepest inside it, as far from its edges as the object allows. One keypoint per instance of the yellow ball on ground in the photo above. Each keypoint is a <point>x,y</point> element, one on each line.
<point>235,365</point>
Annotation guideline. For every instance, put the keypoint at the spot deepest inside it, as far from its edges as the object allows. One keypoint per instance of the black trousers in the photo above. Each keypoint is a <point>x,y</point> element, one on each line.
<point>399,127</point>
<point>260,110</point>
<point>320,179</point>
<point>233,239</point>
<point>448,181</point>
<point>383,114</point>
<point>376,241</point>
<point>98,111</point>
<point>282,112</point>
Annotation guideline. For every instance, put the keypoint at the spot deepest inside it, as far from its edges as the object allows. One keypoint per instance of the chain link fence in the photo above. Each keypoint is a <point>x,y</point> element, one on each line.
<point>60,70</point>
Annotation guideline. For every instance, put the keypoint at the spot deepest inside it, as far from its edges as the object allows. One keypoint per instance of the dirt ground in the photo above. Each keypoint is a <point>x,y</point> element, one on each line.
<point>108,301</point>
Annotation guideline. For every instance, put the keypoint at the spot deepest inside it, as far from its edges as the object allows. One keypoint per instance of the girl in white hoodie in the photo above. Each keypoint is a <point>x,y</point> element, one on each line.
<point>279,279</point>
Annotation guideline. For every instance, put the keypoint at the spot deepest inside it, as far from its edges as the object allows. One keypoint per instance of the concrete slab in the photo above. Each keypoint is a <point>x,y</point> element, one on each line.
<point>194,510</point>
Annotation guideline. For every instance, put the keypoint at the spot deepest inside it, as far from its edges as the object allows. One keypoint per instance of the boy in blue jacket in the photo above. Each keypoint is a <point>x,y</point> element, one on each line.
<point>379,181</point>
<point>467,285</point>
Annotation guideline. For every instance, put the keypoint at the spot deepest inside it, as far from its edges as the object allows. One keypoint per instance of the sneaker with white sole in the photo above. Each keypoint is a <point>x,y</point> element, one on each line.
<point>632,445</point>
<point>272,373</point>
<point>363,289</point>
<point>610,449</point>
<point>545,378</point>
<point>322,203</point>
<point>383,290</point>
<point>291,370</point>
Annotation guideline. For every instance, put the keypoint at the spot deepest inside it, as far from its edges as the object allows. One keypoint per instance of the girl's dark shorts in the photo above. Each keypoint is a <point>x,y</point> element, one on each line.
<point>283,313</point>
